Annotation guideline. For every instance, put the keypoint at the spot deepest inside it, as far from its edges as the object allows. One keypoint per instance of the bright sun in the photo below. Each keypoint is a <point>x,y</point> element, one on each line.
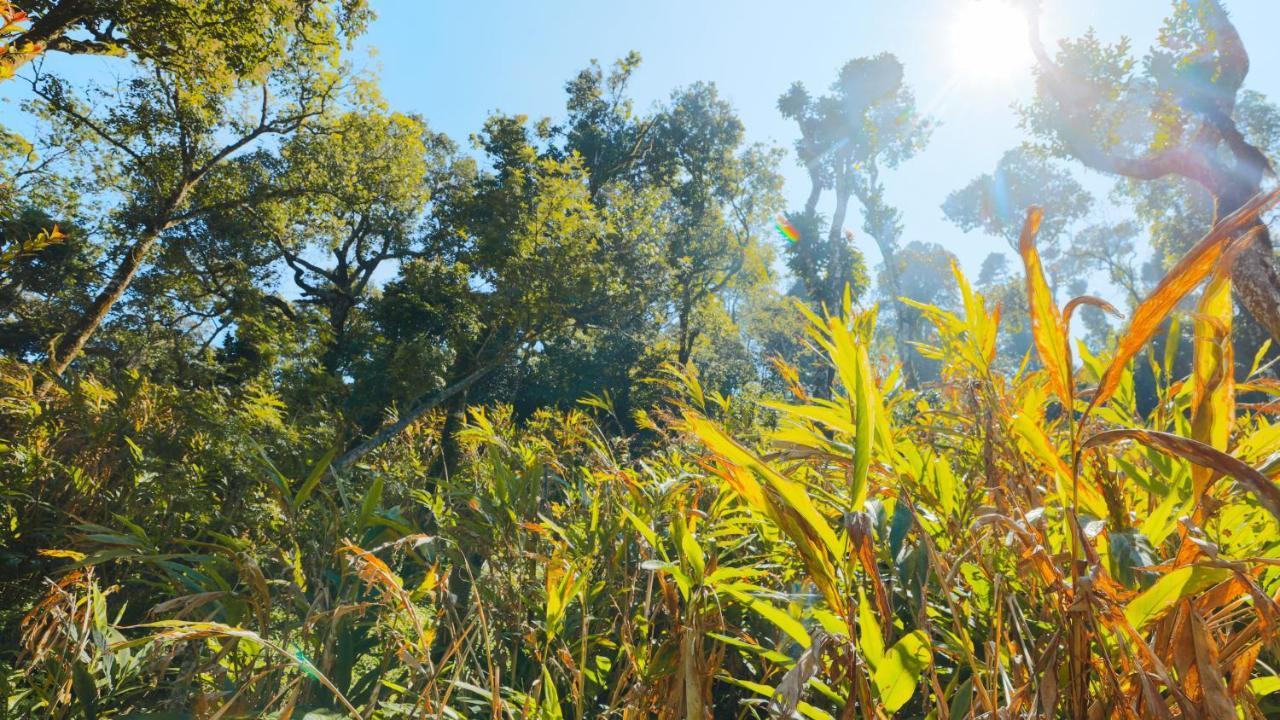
<point>989,40</point>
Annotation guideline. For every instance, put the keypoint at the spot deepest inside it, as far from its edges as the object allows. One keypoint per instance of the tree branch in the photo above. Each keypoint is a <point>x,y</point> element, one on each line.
<point>421,408</point>
<point>1078,136</point>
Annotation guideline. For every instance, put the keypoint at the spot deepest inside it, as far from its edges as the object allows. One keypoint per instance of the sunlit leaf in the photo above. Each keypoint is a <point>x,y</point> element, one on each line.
<point>1168,590</point>
<point>1047,326</point>
<point>1188,273</point>
<point>899,672</point>
<point>1200,454</point>
<point>1213,368</point>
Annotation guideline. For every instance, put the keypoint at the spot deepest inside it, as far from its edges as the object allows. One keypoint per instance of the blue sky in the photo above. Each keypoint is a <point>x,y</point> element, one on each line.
<point>457,61</point>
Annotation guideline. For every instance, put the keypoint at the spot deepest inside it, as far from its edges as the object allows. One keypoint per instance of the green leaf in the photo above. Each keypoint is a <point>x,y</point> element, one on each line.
<point>85,690</point>
<point>900,669</point>
<point>550,697</point>
<point>1266,685</point>
<point>870,641</point>
<point>830,622</point>
<point>371,502</point>
<point>313,478</point>
<point>865,414</point>
<point>770,655</point>
<point>1168,590</point>
<point>763,690</point>
<point>645,531</point>
<point>1162,521</point>
<point>782,621</point>
<point>690,551</point>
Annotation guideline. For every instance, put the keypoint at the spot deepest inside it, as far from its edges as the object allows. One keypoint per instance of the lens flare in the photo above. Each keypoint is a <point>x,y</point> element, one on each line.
<point>785,228</point>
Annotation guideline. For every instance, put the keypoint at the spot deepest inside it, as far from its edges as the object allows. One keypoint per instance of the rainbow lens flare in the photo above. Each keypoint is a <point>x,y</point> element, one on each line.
<point>785,228</point>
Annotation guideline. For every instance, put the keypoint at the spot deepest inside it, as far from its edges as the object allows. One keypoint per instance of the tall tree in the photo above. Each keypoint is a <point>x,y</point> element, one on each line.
<point>720,196</point>
<point>363,178</point>
<point>867,124</point>
<point>997,202</point>
<point>168,131</point>
<point>520,252</point>
<point>1172,115</point>
<point>921,272</point>
<point>601,125</point>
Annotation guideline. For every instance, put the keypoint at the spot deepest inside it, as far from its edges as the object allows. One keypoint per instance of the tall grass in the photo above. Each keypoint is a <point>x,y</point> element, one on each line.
<point>992,546</point>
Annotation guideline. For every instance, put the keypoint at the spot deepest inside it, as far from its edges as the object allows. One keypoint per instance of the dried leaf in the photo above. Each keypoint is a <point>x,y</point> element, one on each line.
<point>1217,699</point>
<point>1092,300</point>
<point>1188,273</point>
<point>1200,454</point>
<point>786,696</point>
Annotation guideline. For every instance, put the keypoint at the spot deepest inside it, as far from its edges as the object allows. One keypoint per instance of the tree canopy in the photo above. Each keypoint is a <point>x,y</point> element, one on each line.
<point>309,409</point>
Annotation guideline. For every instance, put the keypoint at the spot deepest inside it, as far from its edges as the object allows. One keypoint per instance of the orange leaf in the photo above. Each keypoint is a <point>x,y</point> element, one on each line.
<point>1217,698</point>
<point>1093,300</point>
<point>1193,268</point>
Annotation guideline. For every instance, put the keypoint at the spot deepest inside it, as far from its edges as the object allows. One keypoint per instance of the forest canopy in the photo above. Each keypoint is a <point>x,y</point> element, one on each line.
<point>309,409</point>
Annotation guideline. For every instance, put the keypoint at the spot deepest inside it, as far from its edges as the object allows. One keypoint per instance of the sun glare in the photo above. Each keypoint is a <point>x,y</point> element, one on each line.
<point>989,40</point>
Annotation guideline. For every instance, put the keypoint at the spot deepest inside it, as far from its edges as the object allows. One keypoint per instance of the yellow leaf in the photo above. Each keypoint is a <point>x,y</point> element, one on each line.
<point>792,493</point>
<point>1213,369</point>
<point>1047,327</point>
<point>1030,429</point>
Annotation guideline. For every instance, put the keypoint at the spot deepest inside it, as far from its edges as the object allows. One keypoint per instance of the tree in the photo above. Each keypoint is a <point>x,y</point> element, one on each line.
<point>524,254</point>
<point>922,272</point>
<point>1176,210</point>
<point>1110,249</point>
<point>869,122</point>
<point>711,195</point>
<point>364,178</point>
<point>720,196</point>
<point>228,39</point>
<point>156,141</point>
<point>997,202</point>
<point>601,125</point>
<point>1172,116</point>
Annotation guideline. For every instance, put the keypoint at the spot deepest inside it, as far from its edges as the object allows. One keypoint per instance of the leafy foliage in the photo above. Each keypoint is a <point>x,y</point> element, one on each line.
<point>534,432</point>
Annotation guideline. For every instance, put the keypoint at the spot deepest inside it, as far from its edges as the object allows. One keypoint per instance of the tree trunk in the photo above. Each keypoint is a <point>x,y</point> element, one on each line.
<point>815,191</point>
<point>837,270</point>
<point>339,311</point>
<point>1257,283</point>
<point>910,376</point>
<point>685,349</point>
<point>455,416</point>
<point>1255,280</point>
<point>69,347</point>
<point>420,408</point>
